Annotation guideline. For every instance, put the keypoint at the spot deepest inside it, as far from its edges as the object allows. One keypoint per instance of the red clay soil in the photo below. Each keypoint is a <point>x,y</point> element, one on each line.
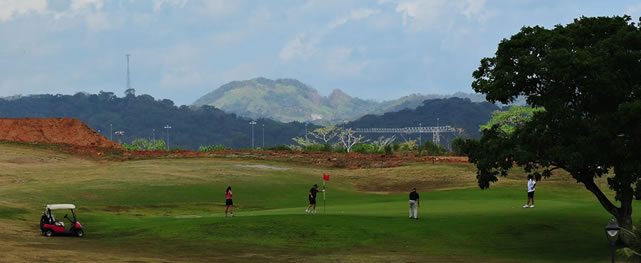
<point>322,159</point>
<point>64,131</point>
<point>325,159</point>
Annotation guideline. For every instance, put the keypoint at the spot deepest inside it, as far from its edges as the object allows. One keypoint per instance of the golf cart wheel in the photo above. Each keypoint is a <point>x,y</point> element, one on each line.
<point>80,233</point>
<point>48,232</point>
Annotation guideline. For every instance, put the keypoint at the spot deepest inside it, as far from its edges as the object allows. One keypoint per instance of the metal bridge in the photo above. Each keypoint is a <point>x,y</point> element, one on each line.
<point>435,131</point>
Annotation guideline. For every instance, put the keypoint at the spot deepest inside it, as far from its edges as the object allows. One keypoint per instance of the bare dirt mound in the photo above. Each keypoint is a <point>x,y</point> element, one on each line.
<point>53,131</point>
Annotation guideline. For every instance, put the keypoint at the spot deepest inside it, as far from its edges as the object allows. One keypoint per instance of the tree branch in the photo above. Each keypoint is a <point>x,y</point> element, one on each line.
<point>604,200</point>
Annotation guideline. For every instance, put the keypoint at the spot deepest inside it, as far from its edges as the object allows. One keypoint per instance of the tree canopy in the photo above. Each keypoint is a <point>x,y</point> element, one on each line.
<point>511,118</point>
<point>587,77</point>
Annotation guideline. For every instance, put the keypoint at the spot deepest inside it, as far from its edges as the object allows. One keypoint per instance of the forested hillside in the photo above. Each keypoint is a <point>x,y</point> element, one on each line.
<point>456,112</point>
<point>144,117</point>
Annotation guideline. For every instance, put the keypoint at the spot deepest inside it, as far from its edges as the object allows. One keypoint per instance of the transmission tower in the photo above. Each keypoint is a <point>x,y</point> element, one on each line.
<point>128,76</point>
<point>436,138</point>
<point>436,131</point>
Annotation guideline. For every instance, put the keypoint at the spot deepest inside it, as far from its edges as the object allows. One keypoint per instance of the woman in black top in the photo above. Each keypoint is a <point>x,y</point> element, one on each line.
<point>312,199</point>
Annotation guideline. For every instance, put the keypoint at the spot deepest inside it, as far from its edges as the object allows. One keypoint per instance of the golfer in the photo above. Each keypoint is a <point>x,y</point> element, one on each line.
<point>415,203</point>
<point>531,187</point>
<point>311,209</point>
<point>229,204</point>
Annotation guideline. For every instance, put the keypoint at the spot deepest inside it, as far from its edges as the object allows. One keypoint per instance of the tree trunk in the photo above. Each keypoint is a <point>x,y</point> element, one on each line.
<point>623,215</point>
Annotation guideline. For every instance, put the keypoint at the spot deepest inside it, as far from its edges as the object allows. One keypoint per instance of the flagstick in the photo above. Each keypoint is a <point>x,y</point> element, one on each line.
<point>324,210</point>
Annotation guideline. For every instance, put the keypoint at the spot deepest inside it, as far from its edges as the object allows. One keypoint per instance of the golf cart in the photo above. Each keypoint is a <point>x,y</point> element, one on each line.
<point>50,226</point>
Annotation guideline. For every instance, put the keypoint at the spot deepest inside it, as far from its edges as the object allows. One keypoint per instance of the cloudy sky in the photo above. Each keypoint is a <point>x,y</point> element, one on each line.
<point>182,49</point>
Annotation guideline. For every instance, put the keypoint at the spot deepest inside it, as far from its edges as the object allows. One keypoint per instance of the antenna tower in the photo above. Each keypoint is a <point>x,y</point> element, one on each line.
<point>128,76</point>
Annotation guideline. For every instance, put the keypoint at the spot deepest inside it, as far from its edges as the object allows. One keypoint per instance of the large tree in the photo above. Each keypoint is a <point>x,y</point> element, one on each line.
<point>586,76</point>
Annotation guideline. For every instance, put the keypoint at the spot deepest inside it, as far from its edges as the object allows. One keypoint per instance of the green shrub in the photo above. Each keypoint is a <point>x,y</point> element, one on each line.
<point>458,146</point>
<point>142,144</point>
<point>314,148</point>
<point>408,146</point>
<point>389,150</point>
<point>281,147</point>
<point>212,148</point>
<point>433,149</point>
<point>364,148</point>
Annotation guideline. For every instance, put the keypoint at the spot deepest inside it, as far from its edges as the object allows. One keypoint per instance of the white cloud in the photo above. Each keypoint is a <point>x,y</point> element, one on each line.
<point>219,8</point>
<point>227,39</point>
<point>13,8</point>
<point>339,62</point>
<point>98,21</point>
<point>473,8</point>
<point>360,14</point>
<point>86,4</point>
<point>418,15</point>
<point>158,4</point>
<point>355,15</point>
<point>92,12</point>
<point>299,47</point>
<point>304,45</point>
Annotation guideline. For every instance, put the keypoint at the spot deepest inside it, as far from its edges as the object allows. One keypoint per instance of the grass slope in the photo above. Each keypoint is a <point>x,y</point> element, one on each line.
<point>172,210</point>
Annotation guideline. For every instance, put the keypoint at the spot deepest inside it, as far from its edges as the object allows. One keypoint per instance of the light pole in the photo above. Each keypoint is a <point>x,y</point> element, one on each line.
<point>305,131</point>
<point>420,135</point>
<point>167,127</point>
<point>252,123</point>
<point>120,135</point>
<point>111,132</point>
<point>153,135</point>
<point>612,233</point>
<point>263,147</point>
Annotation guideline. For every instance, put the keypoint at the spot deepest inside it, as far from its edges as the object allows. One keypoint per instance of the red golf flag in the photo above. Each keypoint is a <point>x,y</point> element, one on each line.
<point>325,177</point>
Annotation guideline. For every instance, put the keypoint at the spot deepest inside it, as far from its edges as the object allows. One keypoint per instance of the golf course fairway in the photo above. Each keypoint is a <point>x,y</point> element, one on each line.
<point>169,210</point>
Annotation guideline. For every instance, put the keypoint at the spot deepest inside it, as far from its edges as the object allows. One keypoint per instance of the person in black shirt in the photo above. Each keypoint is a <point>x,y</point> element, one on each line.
<point>415,203</point>
<point>312,199</point>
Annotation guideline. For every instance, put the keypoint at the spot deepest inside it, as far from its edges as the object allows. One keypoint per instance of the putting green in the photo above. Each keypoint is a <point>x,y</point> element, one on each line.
<point>172,210</point>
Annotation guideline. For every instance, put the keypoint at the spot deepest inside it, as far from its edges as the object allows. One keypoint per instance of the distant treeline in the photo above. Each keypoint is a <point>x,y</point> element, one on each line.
<point>455,112</point>
<point>145,117</point>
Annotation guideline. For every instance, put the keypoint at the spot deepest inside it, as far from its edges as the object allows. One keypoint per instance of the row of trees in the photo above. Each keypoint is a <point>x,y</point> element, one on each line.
<point>327,136</point>
<point>142,144</point>
<point>336,139</point>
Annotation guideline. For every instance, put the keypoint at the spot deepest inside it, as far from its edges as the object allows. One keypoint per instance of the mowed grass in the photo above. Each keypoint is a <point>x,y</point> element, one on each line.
<point>172,210</point>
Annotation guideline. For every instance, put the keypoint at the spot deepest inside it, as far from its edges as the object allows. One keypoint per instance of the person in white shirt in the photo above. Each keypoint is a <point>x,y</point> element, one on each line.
<point>531,186</point>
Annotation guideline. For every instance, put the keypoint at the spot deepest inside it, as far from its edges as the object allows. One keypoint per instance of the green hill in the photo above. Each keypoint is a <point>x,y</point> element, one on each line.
<point>284,100</point>
<point>289,100</point>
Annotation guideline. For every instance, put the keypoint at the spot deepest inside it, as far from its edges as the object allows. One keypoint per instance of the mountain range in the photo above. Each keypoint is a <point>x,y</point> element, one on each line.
<point>289,100</point>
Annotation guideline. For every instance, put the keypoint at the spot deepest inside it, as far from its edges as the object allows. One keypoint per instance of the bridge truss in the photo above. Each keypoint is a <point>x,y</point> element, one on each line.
<point>436,131</point>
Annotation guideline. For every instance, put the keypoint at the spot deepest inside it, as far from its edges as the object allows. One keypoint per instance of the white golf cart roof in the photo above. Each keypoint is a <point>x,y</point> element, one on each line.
<point>61,206</point>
